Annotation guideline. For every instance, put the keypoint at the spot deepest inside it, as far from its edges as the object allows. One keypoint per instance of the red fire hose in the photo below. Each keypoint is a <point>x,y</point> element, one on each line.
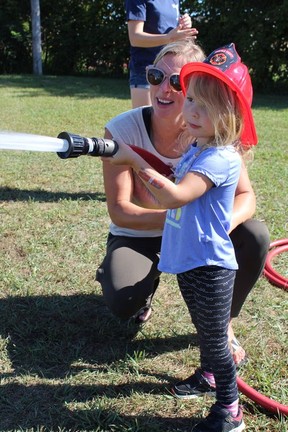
<point>277,247</point>
<point>265,402</point>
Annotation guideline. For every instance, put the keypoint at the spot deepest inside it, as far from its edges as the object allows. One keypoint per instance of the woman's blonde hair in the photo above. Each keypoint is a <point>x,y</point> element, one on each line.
<point>187,48</point>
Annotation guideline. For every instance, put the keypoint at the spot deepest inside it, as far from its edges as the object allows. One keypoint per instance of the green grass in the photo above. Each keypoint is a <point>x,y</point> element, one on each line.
<point>66,363</point>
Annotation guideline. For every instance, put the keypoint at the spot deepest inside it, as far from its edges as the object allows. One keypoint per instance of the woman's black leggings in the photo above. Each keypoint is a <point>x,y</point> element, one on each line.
<point>129,276</point>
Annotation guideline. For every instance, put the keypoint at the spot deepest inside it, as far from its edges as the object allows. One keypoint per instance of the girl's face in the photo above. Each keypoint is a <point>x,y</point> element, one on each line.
<point>196,117</point>
<point>166,102</point>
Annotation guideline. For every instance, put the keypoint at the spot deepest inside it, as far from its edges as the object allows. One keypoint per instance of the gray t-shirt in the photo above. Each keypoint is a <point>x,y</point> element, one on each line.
<point>129,128</point>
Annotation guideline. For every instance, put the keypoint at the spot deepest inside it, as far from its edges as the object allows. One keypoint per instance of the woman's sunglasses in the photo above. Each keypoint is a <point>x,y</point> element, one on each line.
<point>156,76</point>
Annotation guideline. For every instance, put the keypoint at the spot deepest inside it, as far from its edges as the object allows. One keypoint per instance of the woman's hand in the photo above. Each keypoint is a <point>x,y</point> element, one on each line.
<point>139,38</point>
<point>124,155</point>
<point>185,21</point>
<point>180,33</point>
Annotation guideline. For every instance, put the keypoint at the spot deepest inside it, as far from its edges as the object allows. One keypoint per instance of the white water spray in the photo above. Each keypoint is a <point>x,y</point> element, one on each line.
<point>66,145</point>
<point>23,141</point>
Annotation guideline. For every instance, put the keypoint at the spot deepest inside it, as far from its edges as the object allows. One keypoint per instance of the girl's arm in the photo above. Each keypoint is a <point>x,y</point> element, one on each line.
<point>168,194</point>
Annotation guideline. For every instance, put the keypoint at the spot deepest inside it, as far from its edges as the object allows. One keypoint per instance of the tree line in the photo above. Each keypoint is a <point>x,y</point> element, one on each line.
<point>90,36</point>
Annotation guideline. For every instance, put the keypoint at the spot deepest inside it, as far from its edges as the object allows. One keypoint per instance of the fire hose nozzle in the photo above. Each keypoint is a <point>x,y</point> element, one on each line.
<point>92,146</point>
<point>77,145</point>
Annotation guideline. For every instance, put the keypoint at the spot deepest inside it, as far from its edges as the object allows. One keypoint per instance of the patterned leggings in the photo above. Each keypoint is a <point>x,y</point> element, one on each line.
<point>207,292</point>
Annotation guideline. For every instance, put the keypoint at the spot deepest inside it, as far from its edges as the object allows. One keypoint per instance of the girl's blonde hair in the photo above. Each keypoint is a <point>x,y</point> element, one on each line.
<point>224,110</point>
<point>222,106</point>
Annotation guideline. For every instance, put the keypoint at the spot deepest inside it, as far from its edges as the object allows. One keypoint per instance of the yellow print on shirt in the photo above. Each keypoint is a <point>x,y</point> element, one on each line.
<point>173,217</point>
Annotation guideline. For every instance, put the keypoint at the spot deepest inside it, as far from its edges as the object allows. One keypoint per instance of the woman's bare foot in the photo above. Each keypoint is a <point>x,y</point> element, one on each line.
<point>143,315</point>
<point>237,351</point>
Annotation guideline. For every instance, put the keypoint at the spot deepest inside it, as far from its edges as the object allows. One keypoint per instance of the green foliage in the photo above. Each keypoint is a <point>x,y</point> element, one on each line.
<point>15,38</point>
<point>258,28</point>
<point>90,36</point>
<point>86,37</point>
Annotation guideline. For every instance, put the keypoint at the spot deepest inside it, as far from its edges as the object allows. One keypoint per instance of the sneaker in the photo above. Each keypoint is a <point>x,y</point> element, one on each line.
<point>194,386</point>
<point>221,420</point>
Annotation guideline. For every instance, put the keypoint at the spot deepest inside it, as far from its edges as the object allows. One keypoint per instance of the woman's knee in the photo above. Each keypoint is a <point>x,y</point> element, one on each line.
<point>120,306</point>
<point>116,300</point>
<point>252,237</point>
<point>257,233</point>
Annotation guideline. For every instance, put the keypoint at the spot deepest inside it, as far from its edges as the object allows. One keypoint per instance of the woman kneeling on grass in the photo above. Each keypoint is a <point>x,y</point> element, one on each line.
<point>196,245</point>
<point>128,274</point>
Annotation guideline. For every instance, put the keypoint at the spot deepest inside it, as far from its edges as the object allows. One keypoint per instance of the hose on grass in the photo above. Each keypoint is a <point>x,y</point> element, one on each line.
<point>277,247</point>
<point>264,401</point>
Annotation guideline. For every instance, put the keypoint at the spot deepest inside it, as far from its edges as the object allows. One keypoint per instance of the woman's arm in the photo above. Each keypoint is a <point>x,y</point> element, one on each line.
<point>119,188</point>
<point>139,38</point>
<point>245,200</point>
<point>167,193</point>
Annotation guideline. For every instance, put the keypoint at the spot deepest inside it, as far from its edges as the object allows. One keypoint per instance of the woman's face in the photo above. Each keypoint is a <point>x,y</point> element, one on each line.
<point>166,102</point>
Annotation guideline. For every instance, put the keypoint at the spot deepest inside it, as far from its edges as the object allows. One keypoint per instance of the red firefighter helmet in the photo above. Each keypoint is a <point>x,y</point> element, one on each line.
<point>225,64</point>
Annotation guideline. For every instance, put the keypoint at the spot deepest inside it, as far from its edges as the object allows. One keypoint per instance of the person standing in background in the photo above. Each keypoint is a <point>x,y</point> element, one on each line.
<point>151,24</point>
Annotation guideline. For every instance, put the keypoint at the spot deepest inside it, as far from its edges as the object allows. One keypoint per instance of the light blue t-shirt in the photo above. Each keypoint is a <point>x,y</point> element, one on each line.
<point>196,234</point>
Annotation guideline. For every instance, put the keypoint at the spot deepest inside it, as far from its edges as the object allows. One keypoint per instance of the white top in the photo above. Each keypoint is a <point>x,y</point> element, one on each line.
<point>129,128</point>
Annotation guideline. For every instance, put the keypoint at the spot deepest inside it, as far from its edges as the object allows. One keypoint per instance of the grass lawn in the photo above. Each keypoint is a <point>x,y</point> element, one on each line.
<point>66,364</point>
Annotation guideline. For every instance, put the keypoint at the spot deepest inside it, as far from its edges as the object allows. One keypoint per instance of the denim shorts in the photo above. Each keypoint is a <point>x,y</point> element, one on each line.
<point>138,80</point>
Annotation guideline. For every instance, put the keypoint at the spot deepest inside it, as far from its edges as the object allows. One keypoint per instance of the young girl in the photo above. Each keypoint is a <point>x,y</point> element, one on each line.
<point>196,245</point>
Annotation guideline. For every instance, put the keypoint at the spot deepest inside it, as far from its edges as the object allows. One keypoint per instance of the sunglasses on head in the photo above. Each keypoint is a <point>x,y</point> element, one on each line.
<point>156,77</point>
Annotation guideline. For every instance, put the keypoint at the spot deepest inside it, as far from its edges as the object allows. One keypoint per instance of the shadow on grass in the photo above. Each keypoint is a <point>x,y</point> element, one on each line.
<point>40,195</point>
<point>46,335</point>
<point>78,87</point>
<point>96,87</point>
<point>42,404</point>
<point>270,101</point>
